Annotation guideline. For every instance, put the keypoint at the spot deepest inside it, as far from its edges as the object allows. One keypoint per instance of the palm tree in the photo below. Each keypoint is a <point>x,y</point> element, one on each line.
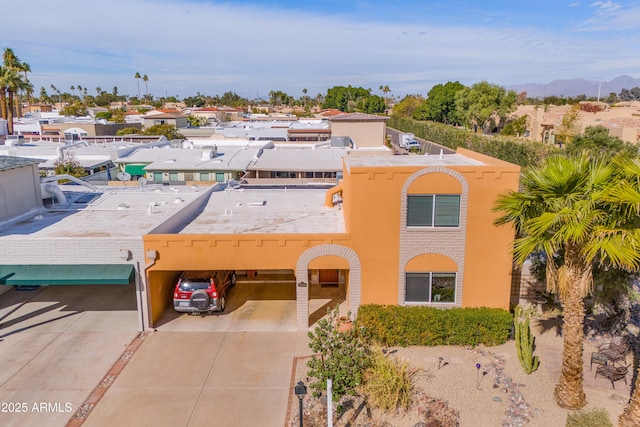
<point>566,208</point>
<point>145,79</point>
<point>628,190</point>
<point>10,83</point>
<point>11,62</point>
<point>137,77</point>
<point>4,83</point>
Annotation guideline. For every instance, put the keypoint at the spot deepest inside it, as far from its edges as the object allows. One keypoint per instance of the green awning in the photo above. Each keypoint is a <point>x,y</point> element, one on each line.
<point>67,274</point>
<point>135,169</point>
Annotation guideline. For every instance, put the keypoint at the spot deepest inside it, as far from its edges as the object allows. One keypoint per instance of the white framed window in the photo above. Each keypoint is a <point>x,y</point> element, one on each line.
<point>430,287</point>
<point>433,210</point>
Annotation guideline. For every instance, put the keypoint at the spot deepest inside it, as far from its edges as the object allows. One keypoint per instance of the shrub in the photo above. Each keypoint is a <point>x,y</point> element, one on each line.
<point>389,382</point>
<point>519,152</point>
<point>341,356</point>
<point>411,325</point>
<point>589,418</point>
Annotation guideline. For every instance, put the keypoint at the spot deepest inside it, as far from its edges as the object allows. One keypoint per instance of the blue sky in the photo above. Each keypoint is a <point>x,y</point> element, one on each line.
<point>252,47</point>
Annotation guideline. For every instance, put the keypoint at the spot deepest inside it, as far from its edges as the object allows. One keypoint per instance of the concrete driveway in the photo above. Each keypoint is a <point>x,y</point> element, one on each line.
<point>233,378</point>
<point>56,343</point>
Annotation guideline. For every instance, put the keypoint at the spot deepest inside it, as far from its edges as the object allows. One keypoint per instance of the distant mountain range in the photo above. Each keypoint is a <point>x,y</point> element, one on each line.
<point>575,87</point>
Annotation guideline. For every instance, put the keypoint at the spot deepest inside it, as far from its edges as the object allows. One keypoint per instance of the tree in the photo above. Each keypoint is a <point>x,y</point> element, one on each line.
<point>69,166</point>
<point>569,126</point>
<point>11,82</point>
<point>345,98</point>
<point>440,105</point>
<point>630,95</point>
<point>407,106</point>
<point>145,79</point>
<point>516,126</point>
<point>484,105</point>
<point>597,142</point>
<point>76,109</point>
<point>128,131</point>
<point>278,97</point>
<point>137,77</point>
<point>117,116</point>
<point>339,356</point>
<point>567,206</point>
<point>166,129</point>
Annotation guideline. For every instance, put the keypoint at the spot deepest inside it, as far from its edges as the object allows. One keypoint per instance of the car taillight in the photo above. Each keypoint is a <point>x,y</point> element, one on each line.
<point>175,295</point>
<point>214,291</point>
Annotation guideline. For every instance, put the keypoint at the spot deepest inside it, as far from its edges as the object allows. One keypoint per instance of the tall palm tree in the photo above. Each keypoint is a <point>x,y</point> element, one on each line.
<point>566,207</point>
<point>628,191</point>
<point>145,79</point>
<point>4,83</point>
<point>12,83</point>
<point>11,62</point>
<point>137,77</point>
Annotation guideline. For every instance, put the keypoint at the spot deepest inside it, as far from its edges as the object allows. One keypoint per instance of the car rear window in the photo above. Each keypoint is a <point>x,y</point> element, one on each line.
<point>191,285</point>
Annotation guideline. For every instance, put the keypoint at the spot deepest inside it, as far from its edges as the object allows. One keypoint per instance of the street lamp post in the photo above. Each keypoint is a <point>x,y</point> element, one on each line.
<point>300,390</point>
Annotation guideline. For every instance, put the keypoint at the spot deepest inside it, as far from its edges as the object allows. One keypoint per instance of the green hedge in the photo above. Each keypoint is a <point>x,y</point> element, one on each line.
<point>393,325</point>
<point>521,152</point>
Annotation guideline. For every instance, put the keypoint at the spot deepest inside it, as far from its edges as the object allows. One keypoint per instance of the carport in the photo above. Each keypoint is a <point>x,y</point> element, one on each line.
<point>261,300</point>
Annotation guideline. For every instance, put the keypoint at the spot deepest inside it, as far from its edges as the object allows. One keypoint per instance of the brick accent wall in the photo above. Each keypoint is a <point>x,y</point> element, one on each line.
<point>445,241</point>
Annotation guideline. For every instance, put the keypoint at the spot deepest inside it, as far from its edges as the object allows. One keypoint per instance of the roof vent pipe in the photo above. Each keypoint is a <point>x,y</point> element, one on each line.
<point>53,190</point>
<point>441,154</point>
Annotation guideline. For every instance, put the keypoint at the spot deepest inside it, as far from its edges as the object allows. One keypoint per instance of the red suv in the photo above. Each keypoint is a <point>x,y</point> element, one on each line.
<point>199,292</point>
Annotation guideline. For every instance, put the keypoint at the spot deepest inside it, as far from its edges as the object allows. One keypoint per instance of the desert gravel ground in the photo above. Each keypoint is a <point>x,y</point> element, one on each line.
<point>499,393</point>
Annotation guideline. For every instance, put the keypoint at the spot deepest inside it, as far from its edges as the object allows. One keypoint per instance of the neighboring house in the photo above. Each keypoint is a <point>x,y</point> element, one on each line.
<point>309,130</point>
<point>289,166</point>
<point>97,156</point>
<point>366,130</point>
<point>621,119</point>
<point>185,166</point>
<point>179,120</point>
<point>37,108</point>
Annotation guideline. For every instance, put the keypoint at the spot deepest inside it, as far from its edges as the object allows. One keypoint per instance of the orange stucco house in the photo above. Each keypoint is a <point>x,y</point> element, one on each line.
<point>408,230</point>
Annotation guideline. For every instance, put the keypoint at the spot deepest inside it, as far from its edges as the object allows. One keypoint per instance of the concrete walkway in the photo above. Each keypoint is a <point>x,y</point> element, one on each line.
<point>233,378</point>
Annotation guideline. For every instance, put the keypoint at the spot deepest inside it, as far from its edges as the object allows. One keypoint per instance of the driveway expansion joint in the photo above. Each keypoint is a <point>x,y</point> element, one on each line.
<point>80,416</point>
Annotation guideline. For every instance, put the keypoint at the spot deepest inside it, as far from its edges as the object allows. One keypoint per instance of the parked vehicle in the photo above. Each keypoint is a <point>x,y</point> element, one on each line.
<point>200,292</point>
<point>404,138</point>
<point>413,144</point>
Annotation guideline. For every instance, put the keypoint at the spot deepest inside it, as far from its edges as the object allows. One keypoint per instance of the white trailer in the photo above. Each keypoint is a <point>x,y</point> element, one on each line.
<point>404,139</point>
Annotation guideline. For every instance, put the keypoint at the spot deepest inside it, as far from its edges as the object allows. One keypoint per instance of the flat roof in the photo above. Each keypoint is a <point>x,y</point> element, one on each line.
<point>114,212</point>
<point>411,160</point>
<point>300,159</point>
<point>179,159</point>
<point>258,211</point>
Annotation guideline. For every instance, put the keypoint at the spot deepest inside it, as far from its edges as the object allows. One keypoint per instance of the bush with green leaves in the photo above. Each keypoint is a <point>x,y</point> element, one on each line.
<point>389,382</point>
<point>339,356</point>
<point>393,325</point>
<point>589,418</point>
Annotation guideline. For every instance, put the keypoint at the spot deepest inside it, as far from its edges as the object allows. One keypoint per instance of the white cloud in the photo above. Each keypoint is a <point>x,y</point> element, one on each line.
<point>188,46</point>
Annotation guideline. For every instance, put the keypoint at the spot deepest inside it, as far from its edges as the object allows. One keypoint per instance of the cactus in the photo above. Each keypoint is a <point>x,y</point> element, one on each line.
<point>525,344</point>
